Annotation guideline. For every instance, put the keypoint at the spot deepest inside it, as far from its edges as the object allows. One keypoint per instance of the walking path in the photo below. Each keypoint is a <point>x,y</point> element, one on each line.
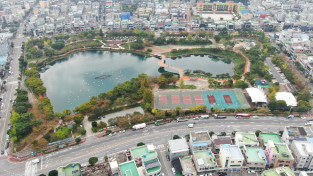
<point>162,64</point>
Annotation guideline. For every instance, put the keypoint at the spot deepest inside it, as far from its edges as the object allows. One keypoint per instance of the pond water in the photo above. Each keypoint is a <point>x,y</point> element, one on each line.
<point>75,80</point>
<point>206,63</point>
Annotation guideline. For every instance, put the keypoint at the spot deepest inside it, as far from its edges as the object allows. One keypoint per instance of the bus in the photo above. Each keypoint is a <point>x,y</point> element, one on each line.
<point>242,116</point>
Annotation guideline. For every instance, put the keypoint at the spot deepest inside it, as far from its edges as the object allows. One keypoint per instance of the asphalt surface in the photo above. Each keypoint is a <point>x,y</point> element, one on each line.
<point>157,135</point>
<point>273,70</point>
<point>10,87</point>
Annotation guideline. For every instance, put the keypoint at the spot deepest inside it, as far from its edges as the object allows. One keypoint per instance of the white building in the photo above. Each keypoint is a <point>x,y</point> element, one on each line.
<point>231,157</point>
<point>303,153</point>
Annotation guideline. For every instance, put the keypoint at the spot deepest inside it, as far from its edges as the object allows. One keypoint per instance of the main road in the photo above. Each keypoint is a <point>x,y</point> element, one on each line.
<point>157,135</point>
<point>11,85</point>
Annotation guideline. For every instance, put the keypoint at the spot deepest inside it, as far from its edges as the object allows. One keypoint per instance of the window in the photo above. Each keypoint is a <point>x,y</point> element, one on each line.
<point>239,161</point>
<point>232,162</point>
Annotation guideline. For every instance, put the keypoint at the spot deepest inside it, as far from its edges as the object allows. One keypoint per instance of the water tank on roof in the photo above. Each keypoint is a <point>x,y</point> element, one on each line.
<point>289,131</point>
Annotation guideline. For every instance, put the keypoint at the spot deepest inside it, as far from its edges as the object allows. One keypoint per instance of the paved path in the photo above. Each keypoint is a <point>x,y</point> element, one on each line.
<point>122,113</point>
<point>162,64</point>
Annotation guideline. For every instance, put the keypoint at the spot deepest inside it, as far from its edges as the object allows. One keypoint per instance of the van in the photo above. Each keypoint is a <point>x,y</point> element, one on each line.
<point>173,170</point>
<point>35,161</point>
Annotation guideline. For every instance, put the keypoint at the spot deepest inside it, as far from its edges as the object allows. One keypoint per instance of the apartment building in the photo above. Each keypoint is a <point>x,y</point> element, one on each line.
<point>303,153</point>
<point>278,155</point>
<point>231,157</point>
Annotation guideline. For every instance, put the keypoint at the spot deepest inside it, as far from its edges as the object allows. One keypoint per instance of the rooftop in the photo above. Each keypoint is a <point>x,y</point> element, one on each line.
<point>304,147</point>
<point>129,169</point>
<point>142,152</point>
<point>232,151</point>
<point>255,154</point>
<point>270,136</point>
<point>222,140</point>
<point>187,165</point>
<point>200,136</point>
<point>204,157</point>
<point>296,131</point>
<point>69,170</point>
<point>177,145</point>
<point>279,172</point>
<point>247,138</point>
<point>283,151</point>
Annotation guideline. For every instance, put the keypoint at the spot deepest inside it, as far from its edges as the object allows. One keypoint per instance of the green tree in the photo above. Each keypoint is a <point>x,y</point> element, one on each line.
<point>217,38</point>
<point>140,144</point>
<point>62,132</point>
<point>257,133</point>
<point>305,96</point>
<point>94,124</point>
<point>241,84</point>
<point>147,98</point>
<point>101,33</point>
<point>77,140</point>
<point>67,112</point>
<point>93,160</point>
<point>211,133</point>
<point>53,173</point>
<point>176,137</point>
<point>78,119</point>
<point>223,133</point>
<point>162,82</point>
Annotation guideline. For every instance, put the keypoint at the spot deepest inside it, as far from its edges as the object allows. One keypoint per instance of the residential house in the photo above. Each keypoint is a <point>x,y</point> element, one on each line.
<point>248,139</point>
<point>204,160</point>
<point>255,158</point>
<point>218,141</point>
<point>147,158</point>
<point>231,157</point>
<point>286,171</point>
<point>177,148</point>
<point>187,165</point>
<point>200,140</point>
<point>303,153</point>
<point>265,137</point>
<point>278,155</point>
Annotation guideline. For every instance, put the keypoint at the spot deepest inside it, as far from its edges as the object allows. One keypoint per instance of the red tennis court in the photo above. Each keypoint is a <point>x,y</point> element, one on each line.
<point>211,99</point>
<point>199,99</point>
<point>187,99</point>
<point>227,99</point>
<point>162,99</point>
<point>175,99</point>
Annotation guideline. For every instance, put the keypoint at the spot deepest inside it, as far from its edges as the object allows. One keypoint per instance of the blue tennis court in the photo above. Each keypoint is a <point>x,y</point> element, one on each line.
<point>220,101</point>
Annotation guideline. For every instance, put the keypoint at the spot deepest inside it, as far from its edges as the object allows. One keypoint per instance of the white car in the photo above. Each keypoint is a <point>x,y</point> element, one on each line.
<point>190,125</point>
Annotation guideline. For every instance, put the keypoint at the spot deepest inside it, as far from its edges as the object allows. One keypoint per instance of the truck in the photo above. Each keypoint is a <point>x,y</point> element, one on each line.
<point>204,116</point>
<point>182,119</point>
<point>139,126</point>
<point>216,116</point>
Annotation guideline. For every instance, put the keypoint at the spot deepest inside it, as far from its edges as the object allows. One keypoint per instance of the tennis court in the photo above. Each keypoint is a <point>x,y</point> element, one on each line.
<point>162,99</point>
<point>211,99</point>
<point>224,99</point>
<point>199,99</point>
<point>187,99</point>
<point>227,99</point>
<point>170,99</point>
<point>175,99</point>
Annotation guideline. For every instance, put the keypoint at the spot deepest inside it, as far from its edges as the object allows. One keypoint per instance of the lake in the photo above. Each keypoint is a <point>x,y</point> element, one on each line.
<point>75,80</point>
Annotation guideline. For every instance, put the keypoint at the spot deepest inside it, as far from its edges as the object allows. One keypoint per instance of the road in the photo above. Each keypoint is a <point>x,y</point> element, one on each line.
<point>273,70</point>
<point>157,135</point>
<point>11,86</point>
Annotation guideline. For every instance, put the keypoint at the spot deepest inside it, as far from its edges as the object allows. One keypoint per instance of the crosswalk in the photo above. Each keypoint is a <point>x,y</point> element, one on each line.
<point>30,168</point>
